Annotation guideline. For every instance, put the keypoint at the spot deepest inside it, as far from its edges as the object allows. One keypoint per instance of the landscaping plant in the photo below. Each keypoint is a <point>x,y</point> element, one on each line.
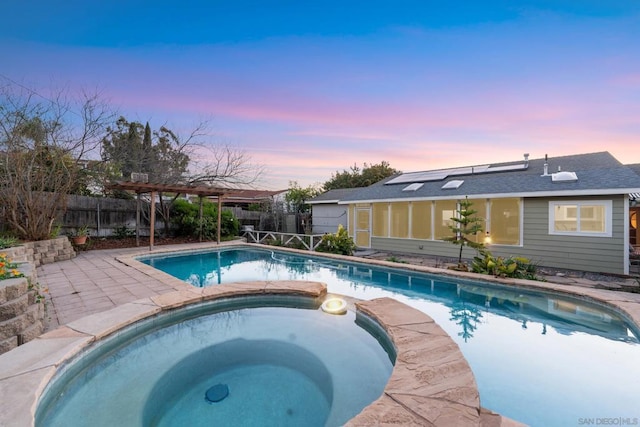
<point>338,243</point>
<point>465,225</point>
<point>7,242</point>
<point>186,217</point>
<point>514,267</point>
<point>8,268</point>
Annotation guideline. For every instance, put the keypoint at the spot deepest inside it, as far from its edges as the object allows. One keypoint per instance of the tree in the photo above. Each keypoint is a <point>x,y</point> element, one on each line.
<point>223,165</point>
<point>169,158</point>
<point>370,174</point>
<point>42,142</point>
<point>465,224</point>
<point>129,147</point>
<point>296,197</point>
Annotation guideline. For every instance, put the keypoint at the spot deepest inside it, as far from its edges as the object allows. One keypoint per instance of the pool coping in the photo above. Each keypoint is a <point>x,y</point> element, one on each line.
<point>431,383</point>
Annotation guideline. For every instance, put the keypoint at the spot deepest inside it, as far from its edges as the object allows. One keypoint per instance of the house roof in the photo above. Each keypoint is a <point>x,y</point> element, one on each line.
<point>636,168</point>
<point>597,174</point>
<point>332,196</point>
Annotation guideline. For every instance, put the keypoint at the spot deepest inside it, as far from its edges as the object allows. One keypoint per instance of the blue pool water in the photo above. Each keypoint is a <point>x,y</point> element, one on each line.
<point>282,366</point>
<point>539,358</point>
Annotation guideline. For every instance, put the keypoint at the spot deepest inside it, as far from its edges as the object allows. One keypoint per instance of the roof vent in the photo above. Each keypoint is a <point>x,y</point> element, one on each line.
<point>413,187</point>
<point>564,177</point>
<point>453,184</point>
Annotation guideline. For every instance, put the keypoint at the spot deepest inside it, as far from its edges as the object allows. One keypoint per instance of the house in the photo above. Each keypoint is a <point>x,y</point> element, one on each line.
<point>326,213</point>
<point>570,212</point>
<point>634,216</point>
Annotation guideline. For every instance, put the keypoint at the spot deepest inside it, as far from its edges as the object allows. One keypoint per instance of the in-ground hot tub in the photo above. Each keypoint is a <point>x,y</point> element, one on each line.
<point>252,360</point>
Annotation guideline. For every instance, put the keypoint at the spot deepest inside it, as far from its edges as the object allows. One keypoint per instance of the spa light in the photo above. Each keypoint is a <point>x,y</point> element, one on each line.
<point>334,306</point>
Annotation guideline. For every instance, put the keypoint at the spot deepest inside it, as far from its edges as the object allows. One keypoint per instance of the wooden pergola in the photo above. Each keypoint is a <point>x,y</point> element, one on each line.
<point>153,189</point>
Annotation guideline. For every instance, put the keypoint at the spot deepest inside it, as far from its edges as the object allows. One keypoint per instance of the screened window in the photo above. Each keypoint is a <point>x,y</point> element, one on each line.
<point>352,215</point>
<point>381,219</point>
<point>443,212</point>
<point>421,220</point>
<point>400,219</point>
<point>590,218</point>
<point>504,221</point>
<point>480,206</point>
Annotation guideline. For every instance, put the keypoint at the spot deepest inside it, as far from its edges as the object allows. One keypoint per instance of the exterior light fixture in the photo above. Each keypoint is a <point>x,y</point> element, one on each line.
<point>487,239</point>
<point>334,306</point>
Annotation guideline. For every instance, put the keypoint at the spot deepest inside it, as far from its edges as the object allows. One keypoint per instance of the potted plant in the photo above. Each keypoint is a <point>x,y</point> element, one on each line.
<point>80,235</point>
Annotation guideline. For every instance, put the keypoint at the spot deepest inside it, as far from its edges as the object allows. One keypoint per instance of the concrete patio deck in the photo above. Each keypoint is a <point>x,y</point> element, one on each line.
<point>95,281</point>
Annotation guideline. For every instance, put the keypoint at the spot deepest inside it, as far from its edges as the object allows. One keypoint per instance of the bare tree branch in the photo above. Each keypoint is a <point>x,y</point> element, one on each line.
<point>224,165</point>
<point>41,142</point>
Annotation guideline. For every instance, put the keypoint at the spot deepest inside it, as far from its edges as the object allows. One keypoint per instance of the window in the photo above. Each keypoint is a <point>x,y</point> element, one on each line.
<point>504,221</point>
<point>480,206</point>
<point>444,211</point>
<point>400,219</point>
<point>381,219</point>
<point>580,218</point>
<point>421,220</point>
<point>351,225</point>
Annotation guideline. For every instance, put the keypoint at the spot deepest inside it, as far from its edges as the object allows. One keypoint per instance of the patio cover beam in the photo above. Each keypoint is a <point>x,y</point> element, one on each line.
<point>198,190</point>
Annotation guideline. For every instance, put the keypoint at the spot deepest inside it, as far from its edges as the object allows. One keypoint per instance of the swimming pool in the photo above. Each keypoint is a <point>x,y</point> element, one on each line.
<point>285,364</point>
<point>539,358</point>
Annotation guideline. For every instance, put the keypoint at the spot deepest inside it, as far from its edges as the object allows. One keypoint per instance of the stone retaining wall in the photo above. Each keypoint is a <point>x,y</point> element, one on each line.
<point>22,310</point>
<point>42,251</point>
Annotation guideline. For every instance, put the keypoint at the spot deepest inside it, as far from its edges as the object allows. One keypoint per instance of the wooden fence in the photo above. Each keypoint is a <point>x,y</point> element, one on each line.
<point>103,216</point>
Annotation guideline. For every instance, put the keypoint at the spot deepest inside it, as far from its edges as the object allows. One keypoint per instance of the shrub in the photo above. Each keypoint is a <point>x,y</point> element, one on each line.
<point>7,242</point>
<point>339,243</point>
<point>186,217</point>
<point>514,267</point>
<point>123,232</point>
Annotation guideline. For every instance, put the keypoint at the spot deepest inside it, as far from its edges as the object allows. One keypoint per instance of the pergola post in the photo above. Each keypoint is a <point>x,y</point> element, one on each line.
<point>219,217</point>
<point>152,216</point>
<point>137,219</point>
<point>200,212</point>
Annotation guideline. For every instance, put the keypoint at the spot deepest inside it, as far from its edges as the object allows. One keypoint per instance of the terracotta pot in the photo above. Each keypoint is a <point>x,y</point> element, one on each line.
<point>79,240</point>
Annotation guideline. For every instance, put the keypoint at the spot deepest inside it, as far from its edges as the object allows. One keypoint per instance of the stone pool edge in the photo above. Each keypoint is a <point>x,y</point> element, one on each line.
<point>431,383</point>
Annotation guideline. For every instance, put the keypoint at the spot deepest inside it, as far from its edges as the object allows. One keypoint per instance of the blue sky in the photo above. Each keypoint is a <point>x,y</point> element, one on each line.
<point>311,88</point>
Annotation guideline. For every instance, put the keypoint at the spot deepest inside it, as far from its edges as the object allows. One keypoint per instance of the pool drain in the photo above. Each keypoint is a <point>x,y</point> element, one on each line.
<point>217,393</point>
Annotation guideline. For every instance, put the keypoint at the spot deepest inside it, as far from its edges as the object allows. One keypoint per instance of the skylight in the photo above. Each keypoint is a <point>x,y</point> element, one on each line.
<point>413,187</point>
<point>453,184</point>
<point>564,176</point>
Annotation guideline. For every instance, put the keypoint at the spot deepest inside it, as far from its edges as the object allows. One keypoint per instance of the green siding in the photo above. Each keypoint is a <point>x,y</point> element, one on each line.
<point>595,254</point>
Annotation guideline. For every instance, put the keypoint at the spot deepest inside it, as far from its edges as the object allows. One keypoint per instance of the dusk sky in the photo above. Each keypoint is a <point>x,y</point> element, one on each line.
<point>311,88</point>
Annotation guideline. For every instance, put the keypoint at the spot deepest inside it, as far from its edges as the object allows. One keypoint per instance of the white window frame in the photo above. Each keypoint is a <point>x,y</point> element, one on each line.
<point>608,217</point>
